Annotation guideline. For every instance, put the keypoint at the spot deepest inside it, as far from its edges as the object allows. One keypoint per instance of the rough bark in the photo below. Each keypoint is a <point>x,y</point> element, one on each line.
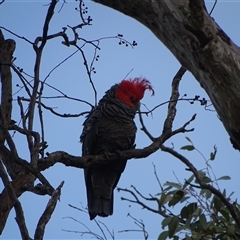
<point>200,45</point>
<point>7,48</point>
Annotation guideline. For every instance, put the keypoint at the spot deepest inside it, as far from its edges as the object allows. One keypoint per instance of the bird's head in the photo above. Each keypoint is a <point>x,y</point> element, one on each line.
<point>132,91</point>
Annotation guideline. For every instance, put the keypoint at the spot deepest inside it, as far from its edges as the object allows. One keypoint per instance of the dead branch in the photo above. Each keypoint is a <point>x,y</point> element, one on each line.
<point>140,224</point>
<point>44,219</point>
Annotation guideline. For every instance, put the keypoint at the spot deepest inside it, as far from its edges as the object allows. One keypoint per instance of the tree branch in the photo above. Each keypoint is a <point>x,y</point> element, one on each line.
<point>203,185</point>
<point>200,45</point>
<point>16,203</point>
<point>44,219</point>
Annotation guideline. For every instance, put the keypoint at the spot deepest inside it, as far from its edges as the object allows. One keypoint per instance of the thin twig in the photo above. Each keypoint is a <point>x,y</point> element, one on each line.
<point>65,115</point>
<point>136,200</point>
<point>16,35</point>
<point>155,174</point>
<point>144,128</point>
<point>140,224</point>
<point>183,128</point>
<point>88,73</point>
<point>40,114</point>
<point>214,5</point>
<point>58,65</point>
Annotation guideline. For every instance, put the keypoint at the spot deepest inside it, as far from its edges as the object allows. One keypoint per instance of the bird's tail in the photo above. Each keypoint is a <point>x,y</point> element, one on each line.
<point>100,183</point>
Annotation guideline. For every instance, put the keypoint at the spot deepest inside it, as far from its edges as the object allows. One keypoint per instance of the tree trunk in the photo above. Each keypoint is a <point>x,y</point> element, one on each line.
<point>200,45</point>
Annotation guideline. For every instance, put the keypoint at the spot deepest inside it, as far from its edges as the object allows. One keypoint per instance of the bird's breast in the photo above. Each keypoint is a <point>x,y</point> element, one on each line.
<point>115,135</point>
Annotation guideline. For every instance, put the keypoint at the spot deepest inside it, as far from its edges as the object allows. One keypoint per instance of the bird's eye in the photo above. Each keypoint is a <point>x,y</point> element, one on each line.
<point>131,98</point>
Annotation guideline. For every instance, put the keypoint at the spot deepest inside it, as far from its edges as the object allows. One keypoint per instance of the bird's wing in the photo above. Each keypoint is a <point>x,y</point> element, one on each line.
<point>90,131</point>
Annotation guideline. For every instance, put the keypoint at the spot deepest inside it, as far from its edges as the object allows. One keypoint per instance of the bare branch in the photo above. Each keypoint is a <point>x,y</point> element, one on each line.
<point>88,73</point>
<point>144,128</point>
<point>40,114</point>
<point>81,11</point>
<point>65,115</point>
<point>214,5</point>
<point>17,205</point>
<point>52,36</point>
<point>19,185</point>
<point>58,65</point>
<point>136,199</point>
<point>183,128</point>
<point>155,174</point>
<point>22,114</point>
<point>190,100</point>
<point>16,35</point>
<point>44,219</point>
<point>24,81</point>
<point>89,231</point>
<point>38,51</point>
<point>46,23</point>
<point>90,160</point>
<point>173,100</point>
<point>65,96</point>
<point>64,2</point>
<point>140,224</point>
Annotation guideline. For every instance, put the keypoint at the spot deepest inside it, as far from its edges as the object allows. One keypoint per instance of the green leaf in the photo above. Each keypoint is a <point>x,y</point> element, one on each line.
<point>187,237</point>
<point>188,147</point>
<point>206,193</point>
<point>203,221</point>
<point>229,197</point>
<point>213,154</point>
<point>188,223</point>
<point>197,212</point>
<point>225,214</point>
<point>188,139</point>
<point>163,235</point>
<point>165,198</point>
<point>224,192</point>
<point>184,213</point>
<point>217,203</point>
<point>166,221</point>
<point>192,207</point>
<point>188,181</point>
<point>224,178</point>
<point>206,179</point>
<point>172,226</point>
<point>202,174</point>
<point>162,198</point>
<point>176,198</point>
<point>173,184</point>
<point>184,199</point>
<point>231,230</point>
<point>167,188</point>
